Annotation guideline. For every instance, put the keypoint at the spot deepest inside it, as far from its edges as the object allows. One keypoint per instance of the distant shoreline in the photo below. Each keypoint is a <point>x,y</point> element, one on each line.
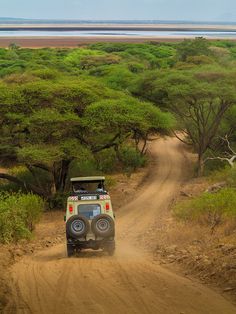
<point>120,27</point>
<point>73,42</point>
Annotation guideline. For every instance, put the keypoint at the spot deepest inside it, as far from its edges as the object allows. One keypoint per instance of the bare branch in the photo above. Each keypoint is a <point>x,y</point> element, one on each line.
<point>229,160</point>
<point>228,143</point>
<point>183,141</point>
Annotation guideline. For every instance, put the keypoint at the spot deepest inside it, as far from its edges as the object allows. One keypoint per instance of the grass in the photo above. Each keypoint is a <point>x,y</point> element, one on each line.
<point>18,215</point>
<point>211,209</point>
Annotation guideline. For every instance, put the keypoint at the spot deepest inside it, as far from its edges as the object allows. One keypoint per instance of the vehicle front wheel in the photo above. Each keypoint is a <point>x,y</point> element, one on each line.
<point>70,250</point>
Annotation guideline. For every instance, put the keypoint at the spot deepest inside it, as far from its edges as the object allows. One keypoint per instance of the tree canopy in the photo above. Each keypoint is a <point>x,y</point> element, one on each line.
<point>46,125</point>
<point>59,107</point>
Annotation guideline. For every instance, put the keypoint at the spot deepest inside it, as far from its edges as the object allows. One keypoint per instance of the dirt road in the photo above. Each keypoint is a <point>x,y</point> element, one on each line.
<point>130,282</point>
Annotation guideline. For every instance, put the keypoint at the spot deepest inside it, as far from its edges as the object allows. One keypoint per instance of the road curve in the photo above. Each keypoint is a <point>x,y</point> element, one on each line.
<point>129,282</point>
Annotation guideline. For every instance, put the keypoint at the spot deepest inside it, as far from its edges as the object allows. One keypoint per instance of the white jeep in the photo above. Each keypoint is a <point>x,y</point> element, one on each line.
<point>90,221</point>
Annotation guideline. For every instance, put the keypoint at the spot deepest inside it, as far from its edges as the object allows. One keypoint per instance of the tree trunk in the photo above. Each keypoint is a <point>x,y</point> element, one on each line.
<point>60,175</point>
<point>143,150</point>
<point>200,165</point>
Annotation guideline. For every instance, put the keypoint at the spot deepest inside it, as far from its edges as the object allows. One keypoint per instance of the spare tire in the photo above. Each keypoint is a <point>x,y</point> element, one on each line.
<point>77,226</point>
<point>103,226</point>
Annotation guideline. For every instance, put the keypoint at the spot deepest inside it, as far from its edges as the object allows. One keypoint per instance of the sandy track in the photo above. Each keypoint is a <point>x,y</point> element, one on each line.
<point>129,282</point>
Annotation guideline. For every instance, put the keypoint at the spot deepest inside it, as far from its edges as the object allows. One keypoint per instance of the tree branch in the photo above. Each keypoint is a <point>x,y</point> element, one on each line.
<point>228,143</point>
<point>106,146</point>
<point>42,167</point>
<point>229,160</point>
<point>183,141</point>
<point>21,183</point>
<point>13,179</point>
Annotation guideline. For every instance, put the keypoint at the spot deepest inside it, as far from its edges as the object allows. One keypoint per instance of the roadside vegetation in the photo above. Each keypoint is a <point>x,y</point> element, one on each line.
<point>209,209</point>
<point>214,207</point>
<point>66,112</point>
<point>18,215</point>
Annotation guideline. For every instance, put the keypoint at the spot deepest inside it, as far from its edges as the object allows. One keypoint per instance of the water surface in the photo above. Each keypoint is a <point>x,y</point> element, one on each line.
<point>118,33</point>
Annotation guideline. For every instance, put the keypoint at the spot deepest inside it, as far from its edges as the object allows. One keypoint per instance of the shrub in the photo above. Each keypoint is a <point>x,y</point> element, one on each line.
<point>95,61</point>
<point>106,160</point>
<point>227,174</point>
<point>198,60</point>
<point>209,209</point>
<point>46,74</point>
<point>18,215</point>
<point>58,201</point>
<point>188,48</point>
<point>136,67</point>
<point>131,158</point>
<point>75,57</point>
<point>110,182</point>
<point>19,78</point>
<point>117,76</point>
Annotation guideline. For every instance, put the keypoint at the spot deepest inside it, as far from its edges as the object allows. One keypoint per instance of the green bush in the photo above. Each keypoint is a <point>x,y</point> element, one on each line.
<point>209,209</point>
<point>106,160</point>
<point>95,61</point>
<point>74,58</point>
<point>227,174</point>
<point>58,201</point>
<point>131,158</point>
<point>117,76</point>
<point>46,74</point>
<point>189,48</point>
<point>136,67</point>
<point>110,182</point>
<point>18,215</point>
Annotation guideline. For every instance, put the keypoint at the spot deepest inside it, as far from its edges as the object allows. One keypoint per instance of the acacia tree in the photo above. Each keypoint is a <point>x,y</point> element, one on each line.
<point>198,98</point>
<point>38,122</point>
<point>223,148</point>
<point>46,126</point>
<point>192,47</point>
<point>125,118</point>
<point>200,106</point>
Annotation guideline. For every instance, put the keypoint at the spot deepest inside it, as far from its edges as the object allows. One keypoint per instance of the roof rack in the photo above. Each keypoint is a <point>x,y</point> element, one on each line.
<point>88,179</point>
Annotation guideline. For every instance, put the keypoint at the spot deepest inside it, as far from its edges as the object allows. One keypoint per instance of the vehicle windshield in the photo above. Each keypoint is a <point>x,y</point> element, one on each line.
<point>88,187</point>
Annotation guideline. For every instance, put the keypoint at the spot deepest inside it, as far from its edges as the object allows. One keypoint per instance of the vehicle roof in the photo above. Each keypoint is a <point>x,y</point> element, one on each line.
<point>87,179</point>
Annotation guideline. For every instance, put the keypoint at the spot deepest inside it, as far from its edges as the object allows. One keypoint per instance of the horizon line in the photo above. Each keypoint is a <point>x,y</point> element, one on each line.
<point>115,20</point>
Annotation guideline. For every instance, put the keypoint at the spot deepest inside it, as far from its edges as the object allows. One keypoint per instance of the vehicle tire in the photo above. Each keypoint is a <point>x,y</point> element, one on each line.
<point>110,248</point>
<point>111,252</point>
<point>70,250</point>
<point>77,227</point>
<point>103,226</point>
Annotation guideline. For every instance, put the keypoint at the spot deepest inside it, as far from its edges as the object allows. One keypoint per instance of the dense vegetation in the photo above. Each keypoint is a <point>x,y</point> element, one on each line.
<point>56,118</point>
<point>212,208</point>
<point>18,215</point>
<point>67,112</point>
